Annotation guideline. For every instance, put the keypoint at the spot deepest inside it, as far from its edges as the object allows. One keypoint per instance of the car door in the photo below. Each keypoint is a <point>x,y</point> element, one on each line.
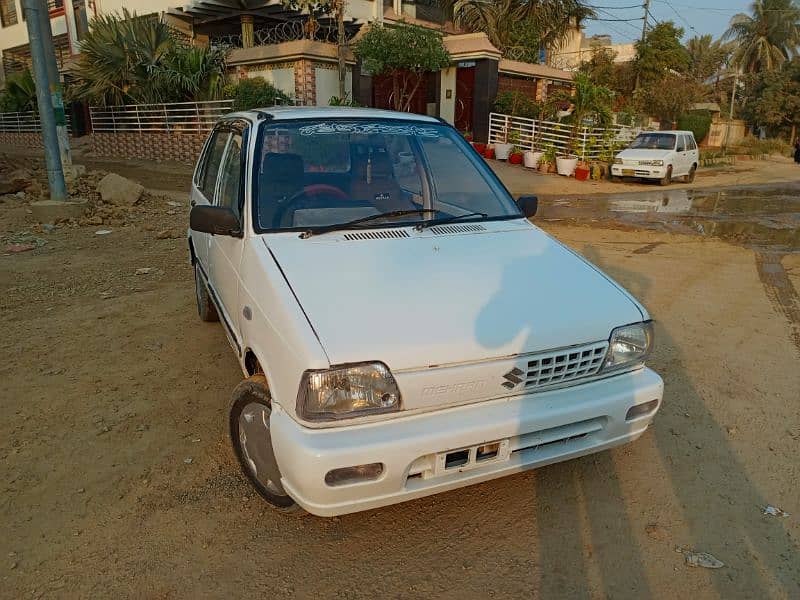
<point>692,153</point>
<point>204,185</point>
<point>225,252</point>
<point>681,167</point>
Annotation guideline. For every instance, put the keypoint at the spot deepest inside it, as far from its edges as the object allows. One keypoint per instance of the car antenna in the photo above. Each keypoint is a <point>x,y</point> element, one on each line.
<point>264,115</point>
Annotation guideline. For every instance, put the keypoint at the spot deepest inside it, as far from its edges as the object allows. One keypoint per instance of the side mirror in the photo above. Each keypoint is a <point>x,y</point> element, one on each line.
<point>219,220</point>
<point>528,205</point>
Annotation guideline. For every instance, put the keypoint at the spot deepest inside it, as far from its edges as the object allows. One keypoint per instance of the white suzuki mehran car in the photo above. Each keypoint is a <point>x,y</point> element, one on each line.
<point>662,155</point>
<point>403,328</point>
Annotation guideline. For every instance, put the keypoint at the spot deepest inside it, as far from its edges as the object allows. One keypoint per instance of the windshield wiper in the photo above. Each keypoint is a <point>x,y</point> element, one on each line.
<point>435,222</point>
<point>363,220</point>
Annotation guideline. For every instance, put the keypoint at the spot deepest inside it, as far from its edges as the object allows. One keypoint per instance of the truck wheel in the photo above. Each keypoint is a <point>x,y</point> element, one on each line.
<point>690,176</point>
<point>205,306</point>
<point>252,442</point>
<point>667,178</point>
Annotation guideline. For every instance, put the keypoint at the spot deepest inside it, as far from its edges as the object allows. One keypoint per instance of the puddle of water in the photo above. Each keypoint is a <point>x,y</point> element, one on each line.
<point>760,217</point>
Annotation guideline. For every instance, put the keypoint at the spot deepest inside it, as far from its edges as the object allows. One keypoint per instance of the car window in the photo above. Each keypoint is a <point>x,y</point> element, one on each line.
<point>681,144</point>
<point>211,168</point>
<point>456,186</point>
<point>327,172</point>
<point>691,143</point>
<point>654,141</point>
<point>231,176</point>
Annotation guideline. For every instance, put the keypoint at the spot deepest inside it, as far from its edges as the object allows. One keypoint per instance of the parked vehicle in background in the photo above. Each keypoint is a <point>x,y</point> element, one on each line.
<point>662,155</point>
<point>402,326</point>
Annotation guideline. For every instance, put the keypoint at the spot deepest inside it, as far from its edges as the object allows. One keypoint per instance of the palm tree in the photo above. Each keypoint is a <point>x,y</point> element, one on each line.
<point>706,56</point>
<point>768,37</point>
<point>127,58</point>
<point>20,93</point>
<point>519,24</point>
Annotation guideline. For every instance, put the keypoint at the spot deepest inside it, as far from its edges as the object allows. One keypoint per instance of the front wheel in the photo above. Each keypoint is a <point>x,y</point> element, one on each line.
<point>251,438</point>
<point>667,179</point>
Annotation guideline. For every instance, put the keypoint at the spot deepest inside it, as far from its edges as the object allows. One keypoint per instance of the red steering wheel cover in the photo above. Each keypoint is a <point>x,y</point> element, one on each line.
<point>319,189</point>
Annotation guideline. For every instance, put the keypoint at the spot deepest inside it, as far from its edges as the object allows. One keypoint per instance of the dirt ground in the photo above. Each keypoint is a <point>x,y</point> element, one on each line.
<point>118,481</point>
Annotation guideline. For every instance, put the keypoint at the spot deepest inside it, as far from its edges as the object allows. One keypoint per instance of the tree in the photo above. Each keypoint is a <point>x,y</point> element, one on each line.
<point>660,53</point>
<point>670,97</point>
<point>706,57</point>
<point>767,38</point>
<point>129,58</point>
<point>405,53</point>
<point>519,28</point>
<point>19,94</point>
<point>772,99</point>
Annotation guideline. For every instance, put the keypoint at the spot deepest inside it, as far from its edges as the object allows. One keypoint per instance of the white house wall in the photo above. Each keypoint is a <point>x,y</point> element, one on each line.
<point>282,78</point>
<point>328,84</point>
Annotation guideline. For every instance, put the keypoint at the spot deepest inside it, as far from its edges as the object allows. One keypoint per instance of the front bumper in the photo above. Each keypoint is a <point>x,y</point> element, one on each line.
<point>534,430</point>
<point>638,171</point>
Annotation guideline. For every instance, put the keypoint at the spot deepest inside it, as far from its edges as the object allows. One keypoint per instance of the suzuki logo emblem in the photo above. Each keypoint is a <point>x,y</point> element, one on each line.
<point>512,378</point>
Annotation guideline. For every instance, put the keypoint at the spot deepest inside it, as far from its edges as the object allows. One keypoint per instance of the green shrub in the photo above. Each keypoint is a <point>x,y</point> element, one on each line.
<point>755,147</point>
<point>255,93</point>
<point>346,101</point>
<point>698,122</point>
<point>518,104</point>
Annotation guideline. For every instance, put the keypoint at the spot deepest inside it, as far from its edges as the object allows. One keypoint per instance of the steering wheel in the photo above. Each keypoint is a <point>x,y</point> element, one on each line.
<point>310,191</point>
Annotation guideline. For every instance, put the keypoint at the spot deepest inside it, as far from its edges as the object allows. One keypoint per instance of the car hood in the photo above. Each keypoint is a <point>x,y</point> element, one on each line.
<point>428,299</point>
<point>644,154</point>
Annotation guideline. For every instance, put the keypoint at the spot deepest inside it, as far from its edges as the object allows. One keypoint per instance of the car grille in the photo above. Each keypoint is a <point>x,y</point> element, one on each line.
<point>564,365</point>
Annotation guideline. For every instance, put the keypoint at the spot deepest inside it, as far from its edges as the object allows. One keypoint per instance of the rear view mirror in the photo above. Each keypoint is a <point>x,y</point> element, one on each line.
<point>528,205</point>
<point>218,220</point>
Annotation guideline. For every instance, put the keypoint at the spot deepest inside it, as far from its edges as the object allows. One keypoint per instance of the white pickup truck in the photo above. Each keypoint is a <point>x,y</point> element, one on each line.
<point>402,327</point>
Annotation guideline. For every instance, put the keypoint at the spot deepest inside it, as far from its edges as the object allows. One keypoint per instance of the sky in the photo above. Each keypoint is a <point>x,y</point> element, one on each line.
<point>697,17</point>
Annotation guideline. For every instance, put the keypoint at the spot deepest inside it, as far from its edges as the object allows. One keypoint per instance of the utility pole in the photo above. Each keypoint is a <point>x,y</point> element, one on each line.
<point>644,34</point>
<point>54,86</point>
<point>342,47</point>
<point>733,103</point>
<point>55,172</point>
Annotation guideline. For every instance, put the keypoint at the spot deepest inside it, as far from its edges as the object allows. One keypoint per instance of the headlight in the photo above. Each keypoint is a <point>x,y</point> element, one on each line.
<point>617,161</point>
<point>346,392</point>
<point>629,346</point>
<point>651,163</point>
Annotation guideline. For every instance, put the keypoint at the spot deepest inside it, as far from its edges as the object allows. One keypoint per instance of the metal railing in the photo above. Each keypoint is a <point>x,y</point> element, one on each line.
<point>23,122</point>
<point>588,143</point>
<point>178,117</point>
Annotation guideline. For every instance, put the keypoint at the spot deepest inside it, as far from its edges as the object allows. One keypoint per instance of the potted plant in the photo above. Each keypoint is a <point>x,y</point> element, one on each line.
<point>468,136</point>
<point>532,157</point>
<point>488,152</point>
<point>582,171</point>
<point>548,159</point>
<point>517,156</point>
<point>567,162</point>
<point>480,147</point>
<point>503,149</point>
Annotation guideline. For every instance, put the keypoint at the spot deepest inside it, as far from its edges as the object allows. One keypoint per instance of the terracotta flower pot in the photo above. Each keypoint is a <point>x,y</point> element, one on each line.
<point>489,153</point>
<point>480,147</point>
<point>582,173</point>
<point>544,167</point>
<point>515,158</point>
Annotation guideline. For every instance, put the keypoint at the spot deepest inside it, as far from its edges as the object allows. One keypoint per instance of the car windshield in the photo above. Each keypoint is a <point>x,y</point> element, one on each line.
<point>323,173</point>
<point>654,141</point>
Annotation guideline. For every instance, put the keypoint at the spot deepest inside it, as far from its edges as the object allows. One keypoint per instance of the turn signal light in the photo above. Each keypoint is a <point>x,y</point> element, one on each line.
<point>640,410</point>
<point>357,474</point>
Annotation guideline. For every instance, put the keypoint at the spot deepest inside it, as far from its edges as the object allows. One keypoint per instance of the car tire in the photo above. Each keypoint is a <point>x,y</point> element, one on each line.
<point>251,406</point>
<point>690,175</point>
<point>205,305</point>
<point>667,179</point>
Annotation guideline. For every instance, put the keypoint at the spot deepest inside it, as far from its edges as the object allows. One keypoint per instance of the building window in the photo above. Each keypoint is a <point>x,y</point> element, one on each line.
<point>8,13</point>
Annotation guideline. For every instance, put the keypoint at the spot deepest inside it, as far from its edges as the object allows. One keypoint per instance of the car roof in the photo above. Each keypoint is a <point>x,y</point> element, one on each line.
<point>286,113</point>
<point>671,131</point>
